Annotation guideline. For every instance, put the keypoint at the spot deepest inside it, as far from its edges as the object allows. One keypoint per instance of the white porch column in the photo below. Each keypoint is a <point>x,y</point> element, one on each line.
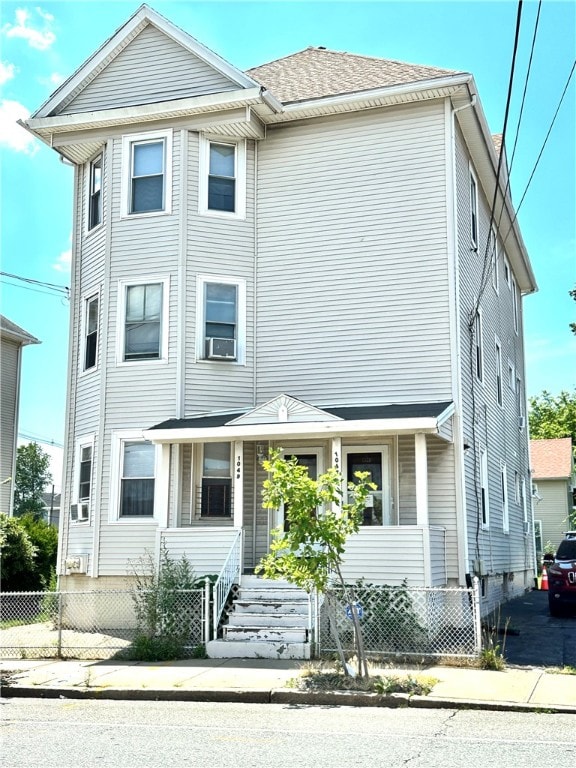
<point>162,486</point>
<point>238,481</point>
<point>421,461</point>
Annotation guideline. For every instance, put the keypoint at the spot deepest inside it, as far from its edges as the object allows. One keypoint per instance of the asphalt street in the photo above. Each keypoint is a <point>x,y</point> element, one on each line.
<point>107,734</point>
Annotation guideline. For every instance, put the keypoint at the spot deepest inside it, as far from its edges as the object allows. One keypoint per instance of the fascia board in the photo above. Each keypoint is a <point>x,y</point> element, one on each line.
<point>315,429</point>
<point>144,112</point>
<point>129,30</point>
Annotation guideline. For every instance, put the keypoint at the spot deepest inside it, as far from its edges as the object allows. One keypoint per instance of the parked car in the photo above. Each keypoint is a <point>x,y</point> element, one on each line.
<point>562,576</point>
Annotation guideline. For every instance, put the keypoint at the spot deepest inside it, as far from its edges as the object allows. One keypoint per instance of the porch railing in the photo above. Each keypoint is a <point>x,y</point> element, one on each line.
<point>229,573</point>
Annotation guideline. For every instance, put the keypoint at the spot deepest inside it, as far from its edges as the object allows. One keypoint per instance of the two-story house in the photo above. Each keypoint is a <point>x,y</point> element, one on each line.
<point>300,256</point>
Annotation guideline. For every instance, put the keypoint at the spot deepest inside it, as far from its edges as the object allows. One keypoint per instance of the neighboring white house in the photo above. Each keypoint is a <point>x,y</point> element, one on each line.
<point>553,483</point>
<point>299,256</point>
<point>12,340</point>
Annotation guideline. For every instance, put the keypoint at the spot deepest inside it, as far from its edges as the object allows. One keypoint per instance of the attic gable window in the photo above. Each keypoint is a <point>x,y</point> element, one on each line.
<point>146,178</point>
<point>222,178</point>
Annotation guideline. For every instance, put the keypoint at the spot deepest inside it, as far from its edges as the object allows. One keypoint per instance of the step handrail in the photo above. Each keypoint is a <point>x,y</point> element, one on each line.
<point>229,573</point>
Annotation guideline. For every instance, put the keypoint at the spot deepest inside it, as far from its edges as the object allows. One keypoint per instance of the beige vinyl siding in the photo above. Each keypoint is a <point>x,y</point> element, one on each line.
<point>407,480</point>
<point>9,374</point>
<point>493,427</point>
<point>122,544</point>
<point>218,246</point>
<point>151,68</point>
<point>553,509</point>
<point>251,493</point>
<point>352,229</point>
<point>205,548</point>
<point>380,555</point>
<point>442,500</point>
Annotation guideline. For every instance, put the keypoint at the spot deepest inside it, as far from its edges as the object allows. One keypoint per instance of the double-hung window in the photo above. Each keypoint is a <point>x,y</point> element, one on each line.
<point>221,320</point>
<point>143,324</point>
<point>80,509</point>
<point>484,490</point>
<point>85,473</point>
<point>479,353</point>
<point>90,332</point>
<point>216,480</point>
<point>146,176</point>
<point>504,498</point>
<point>137,473</point>
<point>499,397</point>
<point>514,290</point>
<point>222,178</point>
<point>95,193</point>
<point>494,259</point>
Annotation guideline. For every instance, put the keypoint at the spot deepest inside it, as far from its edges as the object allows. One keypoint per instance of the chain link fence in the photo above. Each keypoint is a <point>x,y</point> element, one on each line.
<point>404,621</point>
<point>94,625</point>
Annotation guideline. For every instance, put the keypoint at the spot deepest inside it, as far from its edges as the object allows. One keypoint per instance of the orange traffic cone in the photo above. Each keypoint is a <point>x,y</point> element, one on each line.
<point>544,580</point>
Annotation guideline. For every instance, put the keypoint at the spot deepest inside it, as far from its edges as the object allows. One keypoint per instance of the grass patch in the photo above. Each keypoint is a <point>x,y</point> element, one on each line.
<point>567,670</point>
<point>321,678</point>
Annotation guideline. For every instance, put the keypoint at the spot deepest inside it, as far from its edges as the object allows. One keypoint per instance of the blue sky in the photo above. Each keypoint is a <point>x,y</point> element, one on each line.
<point>41,44</point>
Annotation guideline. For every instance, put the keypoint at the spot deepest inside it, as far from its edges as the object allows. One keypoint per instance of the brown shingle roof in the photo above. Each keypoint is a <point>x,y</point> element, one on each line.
<point>551,458</point>
<point>316,72</point>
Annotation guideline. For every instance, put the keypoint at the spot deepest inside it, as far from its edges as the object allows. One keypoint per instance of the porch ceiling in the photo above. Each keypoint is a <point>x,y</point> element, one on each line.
<point>353,421</point>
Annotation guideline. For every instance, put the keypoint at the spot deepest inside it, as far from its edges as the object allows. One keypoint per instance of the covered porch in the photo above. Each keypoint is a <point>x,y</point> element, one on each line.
<point>209,481</point>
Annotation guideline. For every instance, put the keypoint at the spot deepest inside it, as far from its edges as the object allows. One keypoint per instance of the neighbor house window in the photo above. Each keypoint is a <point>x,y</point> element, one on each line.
<point>146,181</point>
<point>520,401</point>
<point>95,193</point>
<point>143,307</point>
<point>216,481</point>
<point>82,493</point>
<point>511,376</point>
<point>504,498</point>
<point>222,177</point>
<point>91,332</point>
<point>137,479</point>
<point>514,290</point>
<point>494,259</point>
<point>479,354</point>
<point>473,211</point>
<point>221,322</point>
<point>85,473</point>
<point>484,491</point>
<point>498,372</point>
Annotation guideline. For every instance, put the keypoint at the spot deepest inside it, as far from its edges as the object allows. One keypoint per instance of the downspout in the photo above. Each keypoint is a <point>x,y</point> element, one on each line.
<point>454,290</point>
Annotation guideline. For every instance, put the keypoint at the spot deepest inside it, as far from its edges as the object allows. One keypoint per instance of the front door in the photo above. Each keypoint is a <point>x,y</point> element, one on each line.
<point>310,458</point>
<point>373,460</point>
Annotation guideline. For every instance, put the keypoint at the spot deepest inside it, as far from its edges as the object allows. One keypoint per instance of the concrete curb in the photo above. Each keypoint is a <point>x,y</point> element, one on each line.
<point>282,696</point>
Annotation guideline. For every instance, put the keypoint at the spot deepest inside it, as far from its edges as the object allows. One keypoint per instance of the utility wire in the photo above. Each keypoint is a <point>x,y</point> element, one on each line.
<point>51,286</point>
<point>38,439</point>
<point>541,151</point>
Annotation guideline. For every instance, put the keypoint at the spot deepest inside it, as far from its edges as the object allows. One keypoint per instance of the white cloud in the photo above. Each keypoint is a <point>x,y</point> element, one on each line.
<point>39,38</point>
<point>7,72</point>
<point>63,261</point>
<point>12,135</point>
<point>56,78</point>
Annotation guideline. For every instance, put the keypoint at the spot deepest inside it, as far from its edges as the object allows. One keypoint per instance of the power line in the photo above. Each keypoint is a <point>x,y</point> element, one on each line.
<point>38,439</point>
<point>59,289</point>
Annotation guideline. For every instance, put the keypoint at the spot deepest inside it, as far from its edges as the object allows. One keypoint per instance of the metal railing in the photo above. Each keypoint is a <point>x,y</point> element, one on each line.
<point>405,621</point>
<point>229,574</point>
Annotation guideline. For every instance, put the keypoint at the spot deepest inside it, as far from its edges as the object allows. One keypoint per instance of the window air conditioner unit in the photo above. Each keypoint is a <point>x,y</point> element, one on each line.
<point>221,349</point>
<point>79,512</point>
<point>521,422</point>
<point>76,563</point>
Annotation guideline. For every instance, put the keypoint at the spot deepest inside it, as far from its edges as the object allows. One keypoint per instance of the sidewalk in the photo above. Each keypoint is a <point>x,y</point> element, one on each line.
<point>264,681</point>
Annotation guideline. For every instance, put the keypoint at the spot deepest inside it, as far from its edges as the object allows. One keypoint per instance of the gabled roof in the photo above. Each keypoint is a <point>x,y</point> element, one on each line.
<point>10,330</point>
<point>115,44</point>
<point>551,459</point>
<point>316,73</point>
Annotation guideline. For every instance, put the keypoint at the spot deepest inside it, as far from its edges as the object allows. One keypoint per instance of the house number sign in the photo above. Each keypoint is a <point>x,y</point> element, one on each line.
<point>238,467</point>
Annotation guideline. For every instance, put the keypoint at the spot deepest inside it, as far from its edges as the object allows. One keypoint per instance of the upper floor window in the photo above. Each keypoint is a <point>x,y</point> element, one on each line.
<point>91,332</point>
<point>143,328</point>
<point>479,353</point>
<point>221,322</point>
<point>494,259</point>
<point>484,490</point>
<point>216,480</point>
<point>82,489</point>
<point>146,182</point>
<point>137,479</point>
<point>514,290</point>
<point>473,210</point>
<point>222,178</point>
<point>95,193</point>
<point>499,397</point>
<point>504,498</point>
<point>85,473</point>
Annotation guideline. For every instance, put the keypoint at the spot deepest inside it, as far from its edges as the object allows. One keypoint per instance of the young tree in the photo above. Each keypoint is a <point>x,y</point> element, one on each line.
<point>32,476</point>
<point>553,416</point>
<point>309,554</point>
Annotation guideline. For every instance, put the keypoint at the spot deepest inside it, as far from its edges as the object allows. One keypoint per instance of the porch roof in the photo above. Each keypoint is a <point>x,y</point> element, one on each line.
<point>353,420</point>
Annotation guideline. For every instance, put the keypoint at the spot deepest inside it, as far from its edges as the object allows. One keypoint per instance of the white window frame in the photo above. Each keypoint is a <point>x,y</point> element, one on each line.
<point>89,193</point>
<point>498,366</point>
<point>519,400</point>
<point>495,259</point>
<point>277,516</point>
<point>484,491</point>
<point>474,222</point>
<point>511,376</point>
<point>239,211</point>
<point>507,271</point>
<point>517,491</point>
<point>504,497</point>
<point>240,283</point>
<point>515,307</point>
<point>86,300</point>
<point>128,142</point>
<point>119,438</point>
<point>86,441</point>
<point>479,346</point>
<point>524,503</point>
<point>385,451</point>
<point>123,286</point>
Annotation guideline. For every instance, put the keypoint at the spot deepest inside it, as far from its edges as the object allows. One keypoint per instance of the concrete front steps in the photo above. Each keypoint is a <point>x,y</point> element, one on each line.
<point>269,620</point>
